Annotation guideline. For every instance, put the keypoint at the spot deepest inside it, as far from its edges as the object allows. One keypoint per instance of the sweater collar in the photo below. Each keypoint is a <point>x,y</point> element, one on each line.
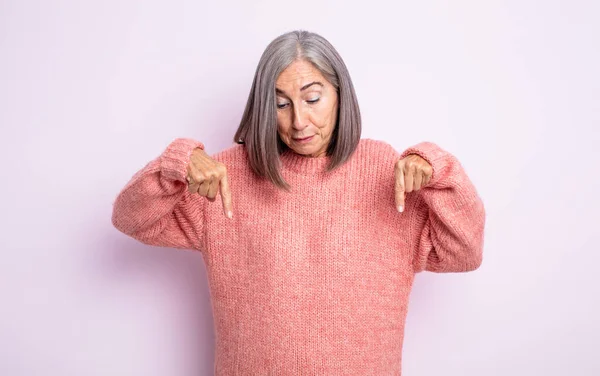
<point>290,160</point>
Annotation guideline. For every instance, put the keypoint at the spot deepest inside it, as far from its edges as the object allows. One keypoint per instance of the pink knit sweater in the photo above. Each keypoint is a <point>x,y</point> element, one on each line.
<point>315,281</point>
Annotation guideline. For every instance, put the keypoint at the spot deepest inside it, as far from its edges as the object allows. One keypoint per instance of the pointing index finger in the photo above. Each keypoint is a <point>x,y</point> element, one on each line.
<point>226,197</point>
<point>399,186</point>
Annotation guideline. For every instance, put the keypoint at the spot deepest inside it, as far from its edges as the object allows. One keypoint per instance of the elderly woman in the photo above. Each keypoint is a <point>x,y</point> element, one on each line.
<point>312,249</point>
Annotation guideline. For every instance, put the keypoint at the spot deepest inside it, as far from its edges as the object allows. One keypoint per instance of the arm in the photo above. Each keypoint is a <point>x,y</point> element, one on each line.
<point>155,206</point>
<point>447,222</point>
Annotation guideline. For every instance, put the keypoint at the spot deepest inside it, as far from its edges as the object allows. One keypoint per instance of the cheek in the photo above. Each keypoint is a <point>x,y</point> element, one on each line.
<point>326,117</point>
<point>282,126</point>
<point>280,120</point>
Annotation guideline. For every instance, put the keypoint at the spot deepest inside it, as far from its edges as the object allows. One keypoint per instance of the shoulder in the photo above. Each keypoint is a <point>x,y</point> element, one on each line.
<point>375,159</point>
<point>233,156</point>
<point>233,151</point>
<point>376,150</point>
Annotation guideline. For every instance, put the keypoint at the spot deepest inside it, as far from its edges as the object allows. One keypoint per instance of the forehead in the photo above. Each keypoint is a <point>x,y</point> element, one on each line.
<point>299,73</point>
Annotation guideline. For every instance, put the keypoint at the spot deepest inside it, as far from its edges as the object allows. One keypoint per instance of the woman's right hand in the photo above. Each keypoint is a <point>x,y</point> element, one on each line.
<point>206,176</point>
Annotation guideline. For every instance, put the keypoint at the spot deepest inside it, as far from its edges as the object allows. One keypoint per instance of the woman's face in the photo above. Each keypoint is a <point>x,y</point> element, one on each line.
<point>306,109</point>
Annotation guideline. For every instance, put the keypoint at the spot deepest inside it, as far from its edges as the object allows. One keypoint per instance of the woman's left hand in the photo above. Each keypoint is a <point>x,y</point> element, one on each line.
<point>412,173</point>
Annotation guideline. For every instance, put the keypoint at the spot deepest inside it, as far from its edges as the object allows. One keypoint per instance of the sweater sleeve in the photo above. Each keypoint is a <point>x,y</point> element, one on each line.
<point>447,222</point>
<point>155,206</point>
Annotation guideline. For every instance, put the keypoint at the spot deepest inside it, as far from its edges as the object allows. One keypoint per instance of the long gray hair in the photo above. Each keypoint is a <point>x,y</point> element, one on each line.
<point>258,127</point>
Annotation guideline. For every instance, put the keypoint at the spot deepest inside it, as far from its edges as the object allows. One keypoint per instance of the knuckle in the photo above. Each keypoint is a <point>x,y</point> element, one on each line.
<point>198,176</point>
<point>221,169</point>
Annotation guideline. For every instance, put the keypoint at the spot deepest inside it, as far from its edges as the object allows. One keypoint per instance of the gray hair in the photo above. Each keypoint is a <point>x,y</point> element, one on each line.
<point>258,127</point>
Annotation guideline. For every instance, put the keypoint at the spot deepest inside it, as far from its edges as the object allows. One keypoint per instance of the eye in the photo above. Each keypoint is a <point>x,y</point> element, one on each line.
<point>313,100</point>
<point>282,105</point>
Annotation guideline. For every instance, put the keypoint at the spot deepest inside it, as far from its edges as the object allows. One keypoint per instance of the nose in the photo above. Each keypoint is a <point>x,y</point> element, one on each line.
<point>300,119</point>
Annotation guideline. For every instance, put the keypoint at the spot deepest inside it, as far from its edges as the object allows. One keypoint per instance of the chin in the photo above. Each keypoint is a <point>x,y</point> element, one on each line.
<point>306,149</point>
<point>303,152</point>
<point>312,152</point>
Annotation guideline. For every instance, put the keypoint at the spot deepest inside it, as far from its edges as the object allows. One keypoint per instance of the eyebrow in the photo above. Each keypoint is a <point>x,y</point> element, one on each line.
<point>302,88</point>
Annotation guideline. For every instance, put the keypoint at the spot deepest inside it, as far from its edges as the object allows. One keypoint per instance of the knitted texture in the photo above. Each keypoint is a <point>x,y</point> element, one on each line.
<point>314,281</point>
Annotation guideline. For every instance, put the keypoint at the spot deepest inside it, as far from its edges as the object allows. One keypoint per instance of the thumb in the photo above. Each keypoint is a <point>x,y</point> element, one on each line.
<point>399,186</point>
<point>226,197</point>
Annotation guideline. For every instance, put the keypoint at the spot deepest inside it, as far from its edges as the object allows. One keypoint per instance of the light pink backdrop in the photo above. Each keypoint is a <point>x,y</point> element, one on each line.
<point>92,90</point>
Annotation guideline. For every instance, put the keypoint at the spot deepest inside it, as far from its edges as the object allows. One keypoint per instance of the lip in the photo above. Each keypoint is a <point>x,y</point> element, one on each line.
<point>303,140</point>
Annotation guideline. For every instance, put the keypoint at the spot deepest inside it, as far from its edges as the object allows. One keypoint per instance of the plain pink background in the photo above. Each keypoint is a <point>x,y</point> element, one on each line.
<point>90,91</point>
